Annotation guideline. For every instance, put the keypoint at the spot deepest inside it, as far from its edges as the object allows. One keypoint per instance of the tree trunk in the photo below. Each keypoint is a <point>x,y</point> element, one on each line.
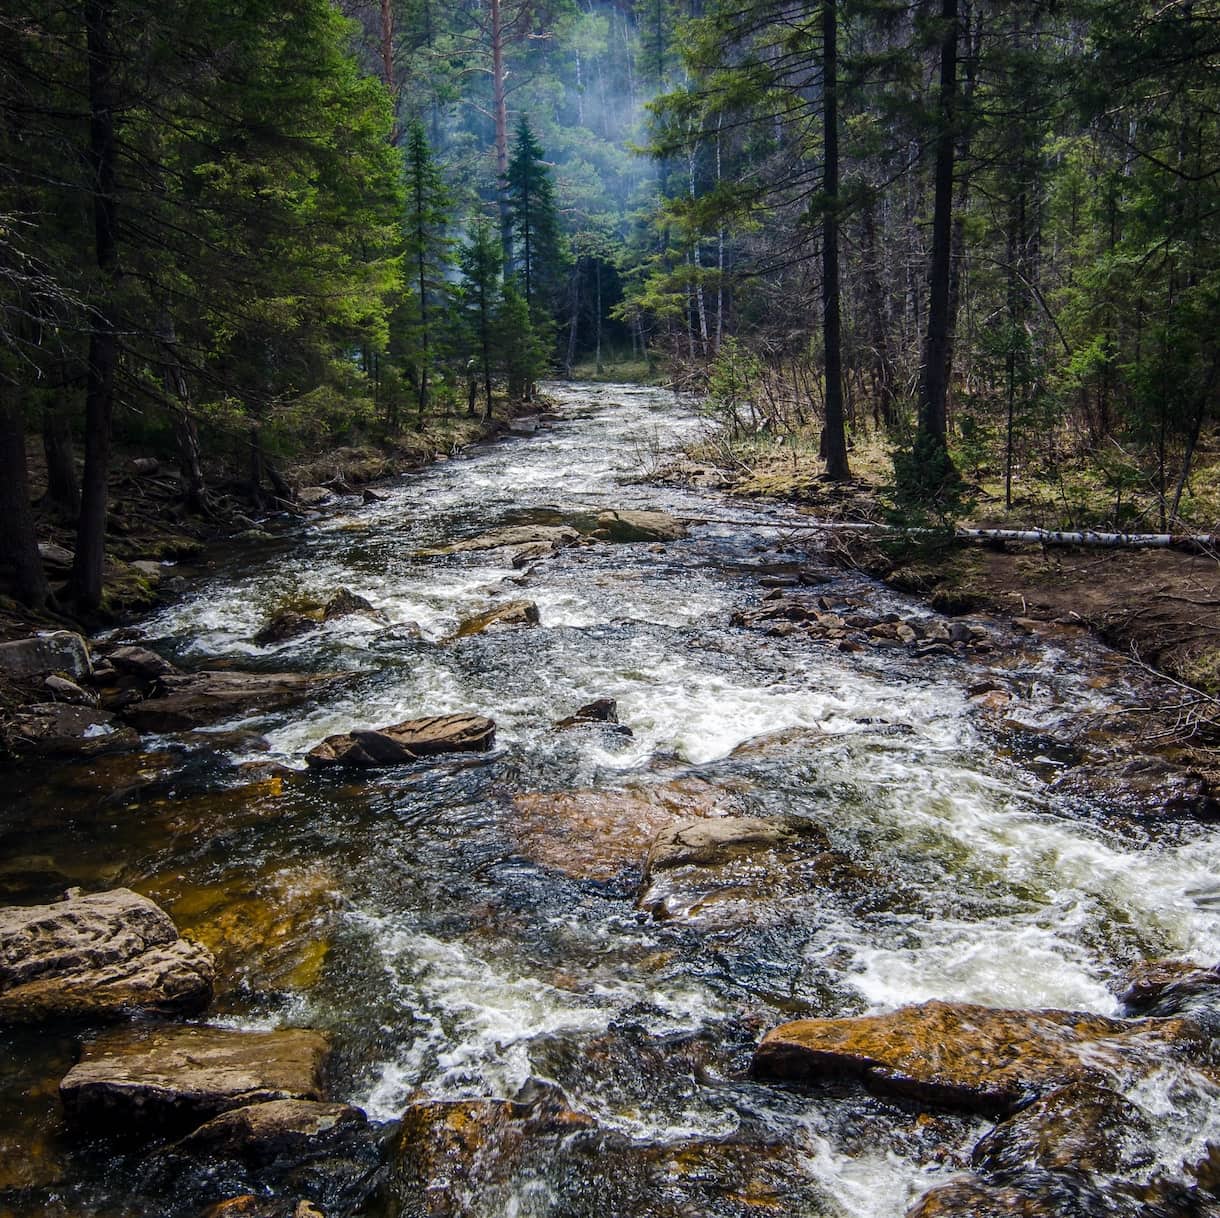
<point>18,541</point>
<point>934,381</point>
<point>885,377</point>
<point>500,108</point>
<point>63,485</point>
<point>387,61</point>
<point>573,325</point>
<point>835,436</point>
<point>598,324</point>
<point>87,571</point>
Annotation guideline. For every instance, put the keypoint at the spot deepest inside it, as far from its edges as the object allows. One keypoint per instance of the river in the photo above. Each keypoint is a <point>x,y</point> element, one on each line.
<point>458,944</point>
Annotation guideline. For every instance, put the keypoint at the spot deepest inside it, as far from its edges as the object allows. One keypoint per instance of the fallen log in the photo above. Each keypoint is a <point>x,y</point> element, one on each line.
<point>1044,537</point>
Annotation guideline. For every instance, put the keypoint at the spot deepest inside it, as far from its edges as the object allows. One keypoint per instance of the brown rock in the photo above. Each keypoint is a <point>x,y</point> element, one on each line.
<point>600,710</point>
<point>553,537</point>
<point>1170,987</point>
<point>168,1080</point>
<point>406,742</point>
<point>344,603</point>
<point>707,843</point>
<point>189,700</point>
<point>313,496</point>
<point>960,1055</point>
<point>511,613</point>
<point>1144,785</point>
<point>140,662</point>
<point>1080,1127</point>
<point>974,1199</point>
<point>628,525</point>
<point>596,834</point>
<point>66,730</point>
<point>286,624</point>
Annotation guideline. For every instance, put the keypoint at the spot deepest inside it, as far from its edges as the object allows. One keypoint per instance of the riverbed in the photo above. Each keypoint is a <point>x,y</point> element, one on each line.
<point>463,935</point>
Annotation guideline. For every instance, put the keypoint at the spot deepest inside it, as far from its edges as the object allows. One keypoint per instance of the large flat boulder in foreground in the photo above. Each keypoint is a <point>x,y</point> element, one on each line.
<point>188,700</point>
<point>98,956</point>
<point>978,1058</point>
<point>169,1080</point>
<point>405,742</point>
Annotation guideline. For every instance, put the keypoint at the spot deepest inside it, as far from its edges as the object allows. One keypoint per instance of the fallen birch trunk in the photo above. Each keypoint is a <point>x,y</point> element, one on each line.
<point>1044,537</point>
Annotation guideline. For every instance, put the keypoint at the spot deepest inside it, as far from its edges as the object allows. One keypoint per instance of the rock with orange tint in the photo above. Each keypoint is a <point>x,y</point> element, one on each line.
<point>596,834</point>
<point>977,1058</point>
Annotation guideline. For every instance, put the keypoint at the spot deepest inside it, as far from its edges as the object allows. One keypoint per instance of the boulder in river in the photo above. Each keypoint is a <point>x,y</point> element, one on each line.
<point>405,742</point>
<point>552,537</point>
<point>599,834</point>
<point>140,662</point>
<point>167,1081</point>
<point>314,496</point>
<point>511,613</point>
<point>1171,987</point>
<point>98,956</point>
<point>626,525</point>
<point>982,1059</point>
<point>739,867</point>
<point>188,700</point>
<point>60,651</point>
<point>285,624</point>
<point>599,711</point>
<point>325,1154</point>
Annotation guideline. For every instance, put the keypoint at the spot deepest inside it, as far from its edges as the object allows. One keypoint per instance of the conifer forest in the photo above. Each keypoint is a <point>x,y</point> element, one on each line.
<point>609,608</point>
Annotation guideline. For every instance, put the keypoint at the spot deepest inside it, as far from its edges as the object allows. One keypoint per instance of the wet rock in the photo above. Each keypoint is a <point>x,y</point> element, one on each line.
<point>406,742</point>
<point>976,1199</point>
<point>286,624</point>
<point>323,1155</point>
<point>526,425</point>
<point>63,690</point>
<point>597,834</point>
<point>60,651</point>
<point>982,1059</point>
<point>512,613</point>
<point>250,1205</point>
<point>448,1153</point>
<point>1171,987</point>
<point>149,569</point>
<point>370,496</point>
<point>1144,785</point>
<point>1206,1172</point>
<point>552,537</point>
<point>345,603</point>
<point>626,525</point>
<point>167,1081</point>
<point>1081,1127</point>
<point>145,467</point>
<point>98,956</point>
<point>738,867</point>
<point>58,729</point>
<point>189,700</point>
<point>141,662</point>
<point>782,743</point>
<point>600,710</point>
<point>313,496</point>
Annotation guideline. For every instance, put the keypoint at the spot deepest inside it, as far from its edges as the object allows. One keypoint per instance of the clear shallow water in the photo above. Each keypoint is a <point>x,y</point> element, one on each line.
<point>456,960</point>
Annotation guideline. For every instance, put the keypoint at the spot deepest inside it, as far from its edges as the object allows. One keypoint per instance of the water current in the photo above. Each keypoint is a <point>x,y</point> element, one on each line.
<point>459,944</point>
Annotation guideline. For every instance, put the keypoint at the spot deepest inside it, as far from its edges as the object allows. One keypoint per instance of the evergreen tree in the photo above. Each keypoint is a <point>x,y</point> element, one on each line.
<point>428,250</point>
<point>539,256</point>
<point>481,262</point>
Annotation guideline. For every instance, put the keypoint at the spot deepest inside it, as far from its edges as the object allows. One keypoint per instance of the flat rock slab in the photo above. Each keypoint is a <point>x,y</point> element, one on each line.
<point>982,1059</point>
<point>626,525</point>
<point>98,956</point>
<point>512,613</point>
<point>187,700</point>
<point>406,742</point>
<point>553,537</point>
<point>61,729</point>
<point>162,1081</point>
<point>60,651</point>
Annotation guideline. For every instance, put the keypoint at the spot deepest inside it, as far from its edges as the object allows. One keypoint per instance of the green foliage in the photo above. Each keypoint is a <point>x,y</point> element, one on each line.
<point>733,380</point>
<point>928,495</point>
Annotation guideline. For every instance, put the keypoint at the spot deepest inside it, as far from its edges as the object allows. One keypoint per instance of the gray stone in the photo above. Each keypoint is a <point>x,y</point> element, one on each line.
<point>60,651</point>
<point>406,742</point>
<point>62,729</point>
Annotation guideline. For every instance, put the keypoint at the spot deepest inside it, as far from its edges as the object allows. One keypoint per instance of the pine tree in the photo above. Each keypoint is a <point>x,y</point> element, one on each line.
<point>539,256</point>
<point>481,262</point>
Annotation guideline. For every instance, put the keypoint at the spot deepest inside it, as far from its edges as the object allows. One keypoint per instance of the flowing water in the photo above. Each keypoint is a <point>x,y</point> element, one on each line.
<point>460,946</point>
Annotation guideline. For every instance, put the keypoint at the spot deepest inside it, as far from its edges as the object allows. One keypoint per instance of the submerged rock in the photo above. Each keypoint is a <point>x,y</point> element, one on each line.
<point>323,1155</point>
<point>285,624</point>
<point>69,730</point>
<point>1145,785</point>
<point>739,867</point>
<point>512,613</point>
<point>626,525</point>
<point>168,1081</point>
<point>98,956</point>
<point>1171,987</point>
<point>597,834</point>
<point>599,711</point>
<point>406,742</point>
<point>982,1059</point>
<point>190,700</point>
